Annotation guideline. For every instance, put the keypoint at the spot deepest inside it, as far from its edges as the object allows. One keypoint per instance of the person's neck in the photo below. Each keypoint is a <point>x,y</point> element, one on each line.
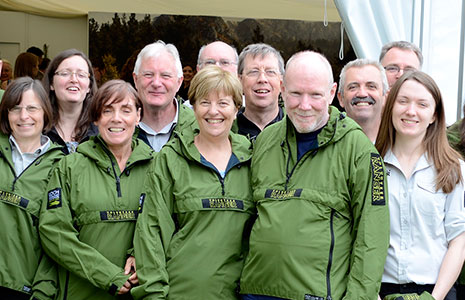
<point>69,114</point>
<point>371,129</point>
<point>216,150</point>
<point>408,151</point>
<point>121,154</point>
<point>158,118</point>
<point>261,116</point>
<point>28,145</point>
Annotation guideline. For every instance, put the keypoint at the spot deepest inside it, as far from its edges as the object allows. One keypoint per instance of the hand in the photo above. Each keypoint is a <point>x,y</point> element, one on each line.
<point>130,266</point>
<point>125,288</point>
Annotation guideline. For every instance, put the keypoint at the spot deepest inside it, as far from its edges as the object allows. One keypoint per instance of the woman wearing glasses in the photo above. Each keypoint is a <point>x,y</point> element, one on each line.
<point>26,158</point>
<point>87,223</point>
<point>70,84</point>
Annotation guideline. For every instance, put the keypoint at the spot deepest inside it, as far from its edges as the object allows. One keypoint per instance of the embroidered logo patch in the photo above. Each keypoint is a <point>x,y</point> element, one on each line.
<point>310,297</point>
<point>118,215</point>
<point>54,198</point>
<point>222,203</point>
<point>141,202</point>
<point>13,199</point>
<point>378,196</point>
<point>281,194</point>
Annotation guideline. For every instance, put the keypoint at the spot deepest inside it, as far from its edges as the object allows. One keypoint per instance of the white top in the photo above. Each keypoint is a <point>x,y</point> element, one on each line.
<point>22,160</point>
<point>423,222</point>
<point>158,139</point>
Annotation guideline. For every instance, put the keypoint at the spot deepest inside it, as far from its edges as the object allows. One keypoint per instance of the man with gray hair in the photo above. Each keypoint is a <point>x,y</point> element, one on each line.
<point>158,76</point>
<point>322,227</point>
<point>398,57</point>
<point>362,92</point>
<point>220,54</point>
<point>261,69</point>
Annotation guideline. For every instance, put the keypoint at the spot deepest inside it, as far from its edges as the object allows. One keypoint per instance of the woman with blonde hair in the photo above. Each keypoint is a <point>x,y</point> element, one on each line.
<point>426,190</point>
<point>189,239</point>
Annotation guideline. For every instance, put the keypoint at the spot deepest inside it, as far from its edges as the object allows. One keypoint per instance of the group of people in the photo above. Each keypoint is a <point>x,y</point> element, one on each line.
<point>130,193</point>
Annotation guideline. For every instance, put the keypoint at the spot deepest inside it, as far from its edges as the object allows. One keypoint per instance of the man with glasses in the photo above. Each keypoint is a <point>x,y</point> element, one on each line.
<point>158,76</point>
<point>399,57</point>
<point>261,69</point>
<point>220,54</point>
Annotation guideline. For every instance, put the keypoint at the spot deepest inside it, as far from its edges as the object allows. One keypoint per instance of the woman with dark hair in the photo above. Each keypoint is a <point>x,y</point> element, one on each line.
<point>70,84</point>
<point>26,64</point>
<point>26,158</point>
<point>188,74</point>
<point>427,215</point>
<point>192,233</point>
<point>87,223</point>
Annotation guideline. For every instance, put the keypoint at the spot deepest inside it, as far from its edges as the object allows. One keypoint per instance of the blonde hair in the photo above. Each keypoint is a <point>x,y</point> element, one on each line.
<point>214,79</point>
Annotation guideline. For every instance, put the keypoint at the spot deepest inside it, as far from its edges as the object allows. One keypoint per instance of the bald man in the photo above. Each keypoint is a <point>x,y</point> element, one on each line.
<point>322,230</point>
<point>220,54</point>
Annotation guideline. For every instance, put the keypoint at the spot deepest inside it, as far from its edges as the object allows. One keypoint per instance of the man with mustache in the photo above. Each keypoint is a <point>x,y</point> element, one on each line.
<point>362,91</point>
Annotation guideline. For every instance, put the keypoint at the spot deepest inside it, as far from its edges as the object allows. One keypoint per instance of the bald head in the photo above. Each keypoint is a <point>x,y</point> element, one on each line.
<point>308,90</point>
<point>218,53</point>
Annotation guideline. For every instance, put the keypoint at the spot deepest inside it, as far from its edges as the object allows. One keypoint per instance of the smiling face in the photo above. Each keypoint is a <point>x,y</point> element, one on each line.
<point>187,73</point>
<point>413,110</point>
<point>27,120</point>
<point>71,88</point>
<point>157,81</point>
<point>261,81</point>
<point>7,72</point>
<point>307,94</point>
<point>117,122</point>
<point>362,96</point>
<point>215,114</point>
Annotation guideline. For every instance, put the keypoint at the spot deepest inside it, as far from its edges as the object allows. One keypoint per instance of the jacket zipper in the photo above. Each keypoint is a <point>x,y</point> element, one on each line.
<point>65,296</point>
<point>330,258</point>
<point>118,182</point>
<point>17,177</point>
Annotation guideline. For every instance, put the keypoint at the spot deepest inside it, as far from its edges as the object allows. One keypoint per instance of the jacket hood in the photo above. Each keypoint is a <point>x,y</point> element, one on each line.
<point>96,149</point>
<point>183,144</point>
<point>337,127</point>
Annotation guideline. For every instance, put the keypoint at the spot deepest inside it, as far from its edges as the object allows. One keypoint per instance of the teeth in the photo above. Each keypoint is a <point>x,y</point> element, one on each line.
<point>410,122</point>
<point>362,104</point>
<point>214,121</point>
<point>74,89</point>
<point>115,129</point>
<point>261,91</point>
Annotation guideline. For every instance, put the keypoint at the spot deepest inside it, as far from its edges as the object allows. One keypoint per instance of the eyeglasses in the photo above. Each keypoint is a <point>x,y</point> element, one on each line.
<point>31,109</point>
<point>82,75</point>
<point>255,73</point>
<point>394,69</point>
<point>221,62</point>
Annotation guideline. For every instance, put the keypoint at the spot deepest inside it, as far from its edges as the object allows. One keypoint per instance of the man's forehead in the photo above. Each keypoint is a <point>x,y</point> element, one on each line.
<point>218,51</point>
<point>402,57</point>
<point>367,73</point>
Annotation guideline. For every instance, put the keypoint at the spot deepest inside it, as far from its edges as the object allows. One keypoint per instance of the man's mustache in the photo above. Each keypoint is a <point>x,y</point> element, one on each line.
<point>368,99</point>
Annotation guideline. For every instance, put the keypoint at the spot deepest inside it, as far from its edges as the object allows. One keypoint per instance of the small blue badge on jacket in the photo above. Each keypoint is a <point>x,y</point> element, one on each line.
<point>54,198</point>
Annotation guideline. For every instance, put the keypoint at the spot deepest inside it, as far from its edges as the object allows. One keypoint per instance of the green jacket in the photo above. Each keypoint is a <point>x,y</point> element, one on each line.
<point>87,221</point>
<point>454,136</point>
<point>190,237</point>
<point>20,201</point>
<point>323,222</point>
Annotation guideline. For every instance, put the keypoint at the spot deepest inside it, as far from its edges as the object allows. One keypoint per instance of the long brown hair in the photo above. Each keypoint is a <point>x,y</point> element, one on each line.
<point>83,123</point>
<point>445,159</point>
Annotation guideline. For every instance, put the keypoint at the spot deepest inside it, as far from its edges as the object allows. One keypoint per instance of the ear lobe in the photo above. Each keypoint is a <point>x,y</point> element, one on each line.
<point>52,88</point>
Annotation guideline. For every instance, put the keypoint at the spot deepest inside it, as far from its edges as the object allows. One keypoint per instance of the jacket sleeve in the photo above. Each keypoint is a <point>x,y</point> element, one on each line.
<point>60,239</point>
<point>153,233</point>
<point>368,184</point>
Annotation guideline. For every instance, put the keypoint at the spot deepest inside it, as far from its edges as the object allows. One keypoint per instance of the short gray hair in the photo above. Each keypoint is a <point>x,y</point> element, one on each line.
<point>358,63</point>
<point>154,50</point>
<point>199,60</point>
<point>263,50</point>
<point>404,45</point>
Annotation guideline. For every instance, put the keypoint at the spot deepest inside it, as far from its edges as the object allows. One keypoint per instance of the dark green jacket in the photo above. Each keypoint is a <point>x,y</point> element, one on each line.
<point>189,240</point>
<point>20,201</point>
<point>323,222</point>
<point>87,221</point>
